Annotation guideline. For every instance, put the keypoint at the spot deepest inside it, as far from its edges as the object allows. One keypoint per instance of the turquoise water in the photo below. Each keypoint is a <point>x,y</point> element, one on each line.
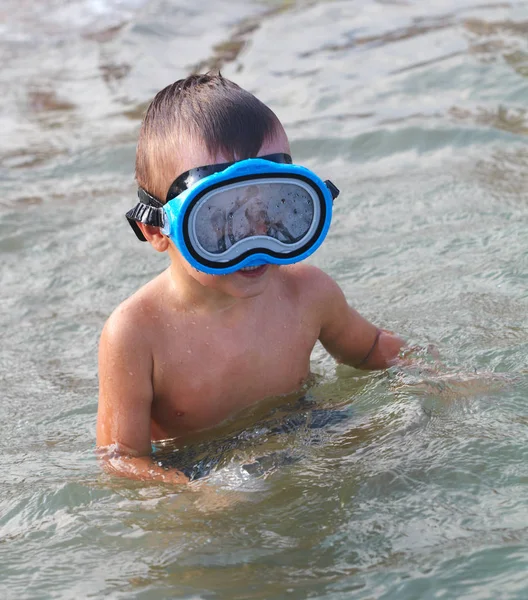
<point>418,112</point>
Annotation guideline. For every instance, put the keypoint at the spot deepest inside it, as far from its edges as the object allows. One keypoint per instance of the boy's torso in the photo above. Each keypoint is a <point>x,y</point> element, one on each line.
<point>206,368</point>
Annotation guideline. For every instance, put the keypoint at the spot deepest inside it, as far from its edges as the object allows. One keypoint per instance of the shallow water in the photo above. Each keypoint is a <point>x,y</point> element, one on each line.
<point>418,112</point>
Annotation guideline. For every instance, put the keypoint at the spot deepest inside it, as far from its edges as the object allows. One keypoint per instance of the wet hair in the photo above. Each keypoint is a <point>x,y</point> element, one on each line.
<point>207,109</point>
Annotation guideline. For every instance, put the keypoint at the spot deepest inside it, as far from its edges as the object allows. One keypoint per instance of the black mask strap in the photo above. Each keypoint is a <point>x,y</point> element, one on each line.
<point>149,210</point>
<point>334,190</point>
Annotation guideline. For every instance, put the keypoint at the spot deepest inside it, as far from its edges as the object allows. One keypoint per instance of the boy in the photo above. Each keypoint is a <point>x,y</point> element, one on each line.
<point>235,317</point>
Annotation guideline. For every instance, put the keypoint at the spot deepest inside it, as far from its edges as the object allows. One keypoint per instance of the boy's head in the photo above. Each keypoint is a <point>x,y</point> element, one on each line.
<point>224,211</point>
<point>195,120</point>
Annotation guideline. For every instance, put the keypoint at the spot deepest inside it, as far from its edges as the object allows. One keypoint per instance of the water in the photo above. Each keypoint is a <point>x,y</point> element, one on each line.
<point>418,112</point>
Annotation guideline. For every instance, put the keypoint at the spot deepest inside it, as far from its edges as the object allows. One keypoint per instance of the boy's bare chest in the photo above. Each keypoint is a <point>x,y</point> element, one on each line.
<point>207,374</point>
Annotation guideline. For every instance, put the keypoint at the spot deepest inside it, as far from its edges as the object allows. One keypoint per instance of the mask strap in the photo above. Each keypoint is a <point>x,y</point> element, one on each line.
<point>333,189</point>
<point>149,211</point>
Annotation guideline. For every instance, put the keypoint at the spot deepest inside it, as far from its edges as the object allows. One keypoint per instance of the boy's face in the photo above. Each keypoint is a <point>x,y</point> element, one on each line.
<point>247,282</point>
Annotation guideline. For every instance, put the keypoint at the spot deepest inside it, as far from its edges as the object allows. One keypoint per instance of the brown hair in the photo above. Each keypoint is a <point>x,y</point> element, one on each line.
<point>207,109</point>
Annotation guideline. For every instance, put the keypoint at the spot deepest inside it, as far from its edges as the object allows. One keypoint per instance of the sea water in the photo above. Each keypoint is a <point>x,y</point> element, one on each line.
<point>418,112</point>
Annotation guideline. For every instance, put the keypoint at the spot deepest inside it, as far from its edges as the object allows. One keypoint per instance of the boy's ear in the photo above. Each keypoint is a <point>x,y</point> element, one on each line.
<point>158,240</point>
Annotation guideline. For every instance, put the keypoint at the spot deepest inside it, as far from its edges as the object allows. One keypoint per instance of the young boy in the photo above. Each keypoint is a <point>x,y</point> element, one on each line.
<point>235,317</point>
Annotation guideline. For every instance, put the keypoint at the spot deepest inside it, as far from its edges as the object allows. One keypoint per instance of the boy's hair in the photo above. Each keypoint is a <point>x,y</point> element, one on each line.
<point>207,109</point>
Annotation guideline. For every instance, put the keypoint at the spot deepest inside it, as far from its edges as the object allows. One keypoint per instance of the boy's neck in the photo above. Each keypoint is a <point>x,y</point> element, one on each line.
<point>191,295</point>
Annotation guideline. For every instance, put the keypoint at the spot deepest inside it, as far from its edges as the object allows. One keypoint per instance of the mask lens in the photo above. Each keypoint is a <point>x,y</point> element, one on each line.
<point>281,210</point>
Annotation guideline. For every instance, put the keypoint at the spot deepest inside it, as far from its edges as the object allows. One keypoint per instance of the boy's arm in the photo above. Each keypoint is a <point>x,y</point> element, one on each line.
<point>350,338</point>
<point>125,402</point>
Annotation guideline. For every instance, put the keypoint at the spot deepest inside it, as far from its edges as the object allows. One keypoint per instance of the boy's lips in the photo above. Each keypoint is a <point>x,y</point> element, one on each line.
<point>253,271</point>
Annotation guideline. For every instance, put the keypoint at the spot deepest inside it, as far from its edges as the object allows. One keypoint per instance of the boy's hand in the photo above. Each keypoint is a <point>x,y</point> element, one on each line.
<point>142,468</point>
<point>426,358</point>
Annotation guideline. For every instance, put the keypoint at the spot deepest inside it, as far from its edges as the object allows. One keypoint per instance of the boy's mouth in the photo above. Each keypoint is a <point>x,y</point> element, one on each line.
<point>253,271</point>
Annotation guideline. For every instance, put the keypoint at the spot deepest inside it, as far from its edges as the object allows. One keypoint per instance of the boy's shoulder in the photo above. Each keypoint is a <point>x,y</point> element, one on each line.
<point>310,280</point>
<point>315,292</point>
<point>133,318</point>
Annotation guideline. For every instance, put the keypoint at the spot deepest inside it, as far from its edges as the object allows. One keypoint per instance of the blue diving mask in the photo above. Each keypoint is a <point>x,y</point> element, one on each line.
<point>252,212</point>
